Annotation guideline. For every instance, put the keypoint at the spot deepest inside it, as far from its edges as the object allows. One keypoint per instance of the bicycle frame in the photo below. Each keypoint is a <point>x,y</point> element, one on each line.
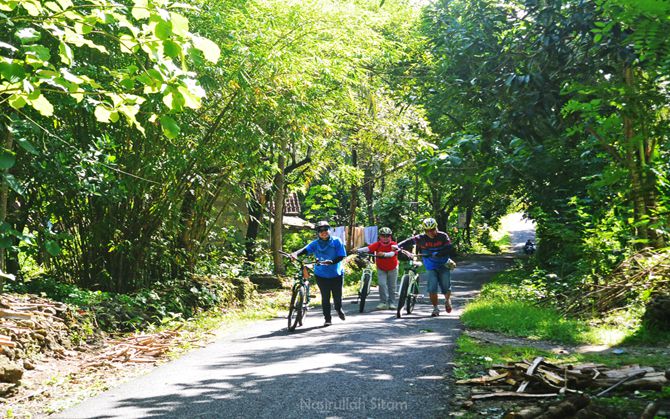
<point>409,286</point>
<point>300,298</point>
<point>364,284</point>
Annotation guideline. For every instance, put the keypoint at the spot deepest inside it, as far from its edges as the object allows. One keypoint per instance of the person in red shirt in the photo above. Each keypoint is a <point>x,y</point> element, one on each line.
<point>387,267</point>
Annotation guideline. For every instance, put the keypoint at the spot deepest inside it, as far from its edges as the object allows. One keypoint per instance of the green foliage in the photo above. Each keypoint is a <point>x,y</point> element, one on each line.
<point>320,203</point>
<point>48,58</point>
<point>127,312</point>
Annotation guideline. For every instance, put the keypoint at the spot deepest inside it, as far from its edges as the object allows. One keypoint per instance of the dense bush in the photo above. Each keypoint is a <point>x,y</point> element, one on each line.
<point>126,312</point>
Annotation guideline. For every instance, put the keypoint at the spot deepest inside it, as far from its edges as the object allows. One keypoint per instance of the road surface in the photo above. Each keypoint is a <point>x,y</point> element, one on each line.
<point>370,366</point>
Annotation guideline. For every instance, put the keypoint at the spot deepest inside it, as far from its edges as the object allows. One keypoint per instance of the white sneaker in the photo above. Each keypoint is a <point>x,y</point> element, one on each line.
<point>382,306</point>
<point>436,312</point>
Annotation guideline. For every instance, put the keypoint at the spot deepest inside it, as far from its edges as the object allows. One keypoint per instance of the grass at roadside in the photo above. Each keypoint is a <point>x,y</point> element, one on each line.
<point>509,305</point>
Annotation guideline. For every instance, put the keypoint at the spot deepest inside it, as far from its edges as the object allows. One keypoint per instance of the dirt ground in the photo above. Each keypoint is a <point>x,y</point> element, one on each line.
<point>60,381</point>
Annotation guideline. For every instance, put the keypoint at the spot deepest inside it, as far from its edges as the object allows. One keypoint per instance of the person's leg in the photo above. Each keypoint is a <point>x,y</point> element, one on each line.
<point>445,285</point>
<point>324,288</point>
<point>383,288</point>
<point>336,288</point>
<point>431,285</point>
<point>392,285</point>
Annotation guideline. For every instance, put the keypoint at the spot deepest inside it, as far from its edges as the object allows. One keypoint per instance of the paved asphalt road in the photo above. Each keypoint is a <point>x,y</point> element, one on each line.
<point>370,366</point>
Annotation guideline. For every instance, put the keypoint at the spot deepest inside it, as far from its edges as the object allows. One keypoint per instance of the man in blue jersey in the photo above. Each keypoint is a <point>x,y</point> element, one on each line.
<point>436,249</point>
<point>329,273</point>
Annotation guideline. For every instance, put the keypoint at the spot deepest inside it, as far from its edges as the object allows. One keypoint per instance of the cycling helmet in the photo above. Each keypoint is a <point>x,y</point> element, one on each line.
<point>321,225</point>
<point>385,231</point>
<point>429,224</point>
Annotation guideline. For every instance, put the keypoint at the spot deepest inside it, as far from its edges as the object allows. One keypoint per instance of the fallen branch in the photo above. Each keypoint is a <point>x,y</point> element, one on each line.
<point>512,394</point>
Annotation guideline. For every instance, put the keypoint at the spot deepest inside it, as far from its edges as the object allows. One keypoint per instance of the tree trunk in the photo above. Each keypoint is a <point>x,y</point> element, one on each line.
<point>468,221</point>
<point>643,181</point>
<point>368,191</point>
<point>254,220</point>
<point>279,185</point>
<point>352,205</point>
<point>4,196</point>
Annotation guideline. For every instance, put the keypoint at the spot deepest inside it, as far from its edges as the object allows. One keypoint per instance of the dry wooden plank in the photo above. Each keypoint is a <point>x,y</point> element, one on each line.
<point>620,382</point>
<point>483,379</point>
<point>529,373</point>
<point>531,369</point>
<point>513,394</point>
<point>141,360</point>
<point>12,314</point>
<point>626,372</point>
<point>551,376</point>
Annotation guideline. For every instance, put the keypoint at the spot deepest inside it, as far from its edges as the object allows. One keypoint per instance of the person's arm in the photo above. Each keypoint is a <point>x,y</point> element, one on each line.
<point>405,244</point>
<point>302,251</point>
<point>393,252</point>
<point>446,250</point>
<point>299,252</point>
<point>340,253</point>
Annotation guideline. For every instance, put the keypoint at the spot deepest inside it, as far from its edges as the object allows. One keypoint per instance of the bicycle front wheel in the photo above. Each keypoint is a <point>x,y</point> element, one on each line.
<point>364,291</point>
<point>404,287</point>
<point>295,310</point>
<point>411,296</point>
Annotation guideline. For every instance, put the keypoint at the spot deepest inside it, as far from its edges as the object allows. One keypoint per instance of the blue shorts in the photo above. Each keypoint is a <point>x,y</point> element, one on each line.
<point>441,276</point>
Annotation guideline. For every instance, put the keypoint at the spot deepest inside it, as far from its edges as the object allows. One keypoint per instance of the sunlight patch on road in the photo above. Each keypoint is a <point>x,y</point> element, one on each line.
<point>326,363</point>
<point>382,377</point>
<point>430,377</point>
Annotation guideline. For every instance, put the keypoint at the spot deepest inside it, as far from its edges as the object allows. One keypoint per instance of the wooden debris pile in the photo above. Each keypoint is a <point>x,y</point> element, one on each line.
<point>139,349</point>
<point>539,379</point>
<point>30,325</point>
<point>543,380</point>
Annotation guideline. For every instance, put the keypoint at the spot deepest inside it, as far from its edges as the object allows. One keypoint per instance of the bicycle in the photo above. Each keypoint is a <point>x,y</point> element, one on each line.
<point>409,285</point>
<point>299,292</point>
<point>364,284</point>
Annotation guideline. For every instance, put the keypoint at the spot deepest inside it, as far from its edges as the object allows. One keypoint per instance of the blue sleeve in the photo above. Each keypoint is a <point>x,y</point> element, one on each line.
<point>340,250</point>
<point>310,247</point>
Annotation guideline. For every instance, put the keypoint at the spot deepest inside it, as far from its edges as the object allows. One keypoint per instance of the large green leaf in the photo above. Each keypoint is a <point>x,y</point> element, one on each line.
<point>42,105</point>
<point>26,145</point>
<point>170,127</point>
<point>14,184</point>
<point>7,159</point>
<point>12,72</point>
<point>102,113</point>
<point>52,247</point>
<point>210,50</point>
<point>163,30</point>
<point>28,35</point>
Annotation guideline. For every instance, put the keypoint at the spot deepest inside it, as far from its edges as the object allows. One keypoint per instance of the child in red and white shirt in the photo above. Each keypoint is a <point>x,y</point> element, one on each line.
<point>387,267</point>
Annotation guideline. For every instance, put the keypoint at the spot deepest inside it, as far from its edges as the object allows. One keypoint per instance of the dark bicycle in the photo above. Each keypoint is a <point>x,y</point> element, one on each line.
<point>366,279</point>
<point>300,297</point>
<point>409,284</point>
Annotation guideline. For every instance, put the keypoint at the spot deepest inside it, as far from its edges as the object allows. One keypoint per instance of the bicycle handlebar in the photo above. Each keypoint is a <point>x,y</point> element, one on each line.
<point>306,262</point>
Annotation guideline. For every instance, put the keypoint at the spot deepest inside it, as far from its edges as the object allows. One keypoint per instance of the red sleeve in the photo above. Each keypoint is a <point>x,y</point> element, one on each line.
<point>374,246</point>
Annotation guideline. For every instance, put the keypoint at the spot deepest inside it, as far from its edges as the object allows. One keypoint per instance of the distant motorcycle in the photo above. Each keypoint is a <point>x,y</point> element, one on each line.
<point>529,248</point>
